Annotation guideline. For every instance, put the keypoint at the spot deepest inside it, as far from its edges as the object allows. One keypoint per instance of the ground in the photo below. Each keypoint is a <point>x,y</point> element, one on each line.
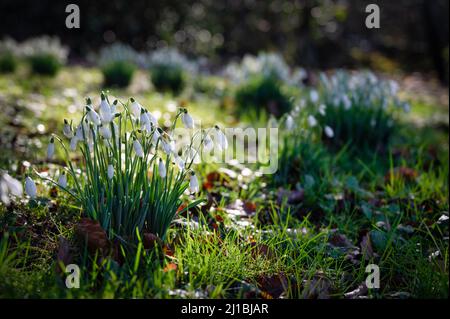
<point>253,238</point>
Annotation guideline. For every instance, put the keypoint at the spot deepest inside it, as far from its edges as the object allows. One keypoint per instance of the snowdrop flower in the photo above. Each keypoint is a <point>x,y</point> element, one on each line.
<point>79,132</point>
<point>162,168</point>
<point>187,120</point>
<point>30,187</point>
<point>138,148</point>
<point>180,162</point>
<point>208,143</point>
<point>114,107</point>
<point>93,116</point>
<point>9,185</point>
<point>322,109</point>
<point>312,121</point>
<point>221,139</point>
<point>110,171</point>
<point>135,108</point>
<point>168,147</point>
<point>289,122</point>
<point>67,129</point>
<point>51,148</point>
<point>73,143</point>
<point>346,101</point>
<point>373,122</point>
<point>62,181</point>
<point>329,131</point>
<point>105,131</point>
<point>314,96</point>
<point>193,183</point>
<point>151,118</point>
<point>106,115</point>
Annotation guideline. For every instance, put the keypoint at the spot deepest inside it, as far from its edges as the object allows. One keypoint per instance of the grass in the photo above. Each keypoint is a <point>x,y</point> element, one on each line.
<point>250,242</point>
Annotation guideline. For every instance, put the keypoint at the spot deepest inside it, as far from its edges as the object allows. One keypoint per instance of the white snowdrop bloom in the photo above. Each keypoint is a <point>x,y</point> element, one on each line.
<point>289,122</point>
<point>208,143</point>
<point>110,171</point>
<point>73,143</point>
<point>156,135</point>
<point>168,147</point>
<point>373,122</point>
<point>151,118</point>
<point>329,131</point>
<point>106,115</point>
<point>346,101</point>
<point>221,139</point>
<point>138,148</point>
<point>62,181</point>
<point>135,108</point>
<point>51,148</point>
<point>67,129</point>
<point>79,132</point>
<point>187,120</point>
<point>312,122</point>
<point>30,187</point>
<point>162,168</point>
<point>144,117</point>
<point>180,162</point>
<point>314,96</point>
<point>322,109</point>
<point>193,183</point>
<point>93,116</point>
<point>105,131</point>
<point>114,107</point>
<point>9,185</point>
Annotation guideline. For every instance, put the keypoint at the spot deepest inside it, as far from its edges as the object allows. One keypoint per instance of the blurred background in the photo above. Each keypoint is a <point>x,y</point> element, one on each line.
<point>314,34</point>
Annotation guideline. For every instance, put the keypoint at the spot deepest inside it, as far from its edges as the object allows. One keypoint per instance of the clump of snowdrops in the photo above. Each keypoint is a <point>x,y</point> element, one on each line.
<point>355,109</point>
<point>132,175</point>
<point>118,63</point>
<point>45,54</point>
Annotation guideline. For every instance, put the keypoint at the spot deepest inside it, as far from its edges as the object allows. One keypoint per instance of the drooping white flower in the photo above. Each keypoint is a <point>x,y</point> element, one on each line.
<point>168,146</point>
<point>105,131</point>
<point>312,121</point>
<point>9,185</point>
<point>79,132</point>
<point>314,96</point>
<point>193,183</point>
<point>322,109</point>
<point>30,187</point>
<point>62,181</point>
<point>180,162</point>
<point>51,148</point>
<point>93,115</point>
<point>329,131</point>
<point>346,101</point>
<point>110,171</point>
<point>114,107</point>
<point>289,122</point>
<point>221,139</point>
<point>67,129</point>
<point>208,143</point>
<point>138,148</point>
<point>162,168</point>
<point>135,108</point>
<point>187,120</point>
<point>73,143</point>
<point>106,115</point>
